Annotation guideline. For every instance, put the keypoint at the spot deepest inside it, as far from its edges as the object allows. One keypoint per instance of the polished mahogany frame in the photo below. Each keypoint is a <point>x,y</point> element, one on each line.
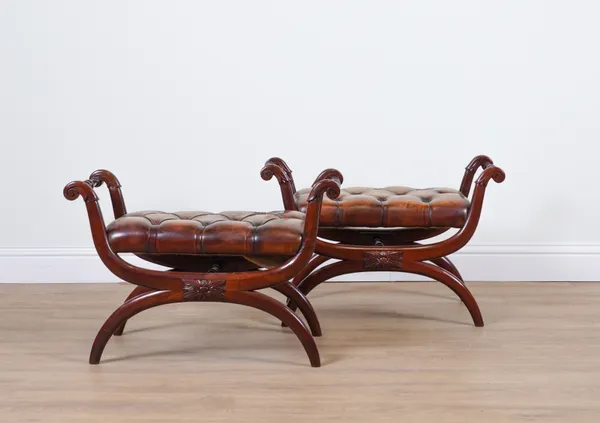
<point>211,283</point>
<point>391,249</point>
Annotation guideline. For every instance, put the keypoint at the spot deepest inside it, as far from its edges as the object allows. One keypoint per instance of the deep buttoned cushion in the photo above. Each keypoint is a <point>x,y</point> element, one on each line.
<point>392,207</point>
<point>197,232</point>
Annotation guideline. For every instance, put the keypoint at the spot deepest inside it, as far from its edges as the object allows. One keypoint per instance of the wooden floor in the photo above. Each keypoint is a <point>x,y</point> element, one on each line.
<point>391,353</point>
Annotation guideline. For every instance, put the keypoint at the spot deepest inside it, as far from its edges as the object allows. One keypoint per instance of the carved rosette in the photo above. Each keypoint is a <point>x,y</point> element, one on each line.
<point>203,290</point>
<point>382,260</point>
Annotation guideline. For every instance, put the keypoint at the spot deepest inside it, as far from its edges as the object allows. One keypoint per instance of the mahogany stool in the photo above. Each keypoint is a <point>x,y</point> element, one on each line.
<point>219,257</point>
<point>380,229</point>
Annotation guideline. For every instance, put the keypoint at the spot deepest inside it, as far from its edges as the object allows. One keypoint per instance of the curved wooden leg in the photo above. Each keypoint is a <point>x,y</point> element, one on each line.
<point>252,299</point>
<point>446,264</point>
<point>286,289</point>
<point>315,262</point>
<point>299,299</point>
<point>452,282</point>
<point>139,290</point>
<point>433,271</point>
<point>275,308</point>
<point>126,311</point>
<point>325,273</point>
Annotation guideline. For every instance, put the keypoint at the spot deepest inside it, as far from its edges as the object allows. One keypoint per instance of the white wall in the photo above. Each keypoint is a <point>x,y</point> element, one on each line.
<point>185,100</point>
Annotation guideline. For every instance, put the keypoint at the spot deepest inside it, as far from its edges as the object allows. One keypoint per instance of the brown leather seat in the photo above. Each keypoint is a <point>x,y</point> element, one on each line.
<point>392,207</point>
<point>227,233</point>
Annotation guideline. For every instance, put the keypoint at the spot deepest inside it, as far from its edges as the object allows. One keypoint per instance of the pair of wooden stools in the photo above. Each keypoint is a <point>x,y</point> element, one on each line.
<point>231,256</point>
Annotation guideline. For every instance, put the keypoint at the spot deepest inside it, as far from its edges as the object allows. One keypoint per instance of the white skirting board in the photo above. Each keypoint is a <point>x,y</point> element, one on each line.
<point>476,263</point>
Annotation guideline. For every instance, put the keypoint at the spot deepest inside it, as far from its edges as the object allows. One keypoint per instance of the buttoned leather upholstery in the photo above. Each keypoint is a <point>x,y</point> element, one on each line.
<point>391,207</point>
<point>197,232</point>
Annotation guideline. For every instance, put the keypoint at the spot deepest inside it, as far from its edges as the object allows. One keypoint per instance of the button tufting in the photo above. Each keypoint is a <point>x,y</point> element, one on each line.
<point>394,206</point>
<point>227,233</point>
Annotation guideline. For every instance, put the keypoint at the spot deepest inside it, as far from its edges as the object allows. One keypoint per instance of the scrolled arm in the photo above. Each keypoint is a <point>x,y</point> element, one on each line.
<point>247,281</point>
<point>278,168</point>
<point>479,161</point>
<point>330,186</point>
<point>491,172</point>
<point>104,176</point>
<point>114,188</point>
<point>330,174</point>
<point>464,235</point>
<point>85,189</point>
<point>121,268</point>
